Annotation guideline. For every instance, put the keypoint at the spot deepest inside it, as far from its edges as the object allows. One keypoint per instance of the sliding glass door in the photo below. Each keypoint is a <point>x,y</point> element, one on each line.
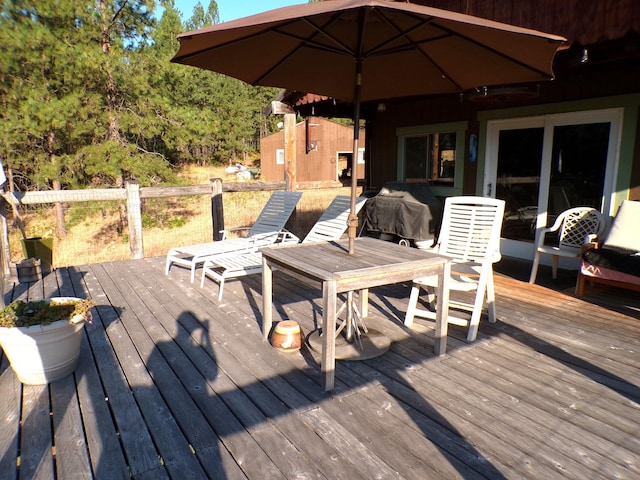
<point>544,165</point>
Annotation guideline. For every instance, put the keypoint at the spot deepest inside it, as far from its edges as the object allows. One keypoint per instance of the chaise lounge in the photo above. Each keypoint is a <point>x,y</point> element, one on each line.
<point>616,261</point>
<point>267,230</point>
<point>329,227</point>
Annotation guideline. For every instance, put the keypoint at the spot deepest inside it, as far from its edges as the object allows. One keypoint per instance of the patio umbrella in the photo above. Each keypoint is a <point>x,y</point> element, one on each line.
<point>365,50</point>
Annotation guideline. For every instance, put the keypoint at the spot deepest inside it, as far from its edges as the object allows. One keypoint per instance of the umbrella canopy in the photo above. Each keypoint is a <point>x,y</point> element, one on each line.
<point>365,50</point>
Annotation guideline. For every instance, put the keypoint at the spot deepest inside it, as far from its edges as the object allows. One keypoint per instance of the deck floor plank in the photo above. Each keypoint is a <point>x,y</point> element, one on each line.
<point>244,381</point>
<point>582,424</point>
<point>10,406</point>
<point>559,382</point>
<point>36,443</point>
<point>194,382</point>
<point>535,425</point>
<point>175,384</point>
<point>241,405</point>
<point>68,431</point>
<point>104,335</point>
<point>135,351</point>
<point>105,452</point>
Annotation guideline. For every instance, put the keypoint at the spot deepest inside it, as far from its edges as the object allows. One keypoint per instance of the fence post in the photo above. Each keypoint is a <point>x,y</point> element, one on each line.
<point>5,272</point>
<point>134,219</point>
<point>217,210</point>
<point>290,149</point>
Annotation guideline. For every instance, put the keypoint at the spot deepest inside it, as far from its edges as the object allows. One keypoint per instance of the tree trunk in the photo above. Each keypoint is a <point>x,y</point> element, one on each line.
<point>111,96</point>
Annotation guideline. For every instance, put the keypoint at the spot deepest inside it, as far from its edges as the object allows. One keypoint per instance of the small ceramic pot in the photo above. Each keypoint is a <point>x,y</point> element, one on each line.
<point>287,336</point>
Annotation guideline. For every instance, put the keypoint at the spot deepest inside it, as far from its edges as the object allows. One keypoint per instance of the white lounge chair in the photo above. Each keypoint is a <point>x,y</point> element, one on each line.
<point>267,230</point>
<point>330,226</point>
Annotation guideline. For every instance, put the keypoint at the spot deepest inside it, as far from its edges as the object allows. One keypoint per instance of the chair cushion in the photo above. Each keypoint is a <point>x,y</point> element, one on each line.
<point>624,230</point>
<point>619,259</point>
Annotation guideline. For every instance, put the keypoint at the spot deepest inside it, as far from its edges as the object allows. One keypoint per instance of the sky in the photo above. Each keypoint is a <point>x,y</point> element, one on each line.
<point>232,9</point>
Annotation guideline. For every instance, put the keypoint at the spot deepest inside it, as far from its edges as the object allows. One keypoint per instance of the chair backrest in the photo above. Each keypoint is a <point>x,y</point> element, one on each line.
<point>471,228</point>
<point>333,222</point>
<point>275,213</point>
<point>577,224</point>
<point>625,229</point>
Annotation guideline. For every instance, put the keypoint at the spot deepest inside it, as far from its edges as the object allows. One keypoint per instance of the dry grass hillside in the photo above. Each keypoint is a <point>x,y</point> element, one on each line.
<point>96,233</point>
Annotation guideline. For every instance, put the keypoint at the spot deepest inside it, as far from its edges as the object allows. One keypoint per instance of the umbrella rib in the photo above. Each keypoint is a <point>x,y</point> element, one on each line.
<point>277,29</point>
<point>378,49</point>
<point>401,34</point>
<point>309,42</point>
<point>321,30</point>
<point>447,32</point>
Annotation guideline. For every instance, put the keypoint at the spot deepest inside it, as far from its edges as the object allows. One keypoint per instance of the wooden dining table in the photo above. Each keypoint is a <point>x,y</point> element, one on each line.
<point>373,263</point>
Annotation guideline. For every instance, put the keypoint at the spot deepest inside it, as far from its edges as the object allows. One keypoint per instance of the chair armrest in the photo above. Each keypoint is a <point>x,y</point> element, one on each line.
<point>556,225</point>
<point>234,229</point>
<point>591,239</point>
<point>591,246</point>
<point>542,232</point>
<point>285,236</point>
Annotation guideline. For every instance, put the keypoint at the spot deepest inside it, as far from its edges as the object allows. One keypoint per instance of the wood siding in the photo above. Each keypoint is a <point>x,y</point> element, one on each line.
<point>582,22</point>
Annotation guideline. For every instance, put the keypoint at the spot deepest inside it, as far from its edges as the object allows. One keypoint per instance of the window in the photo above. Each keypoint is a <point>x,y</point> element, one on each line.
<point>344,163</point>
<point>280,156</point>
<point>434,155</point>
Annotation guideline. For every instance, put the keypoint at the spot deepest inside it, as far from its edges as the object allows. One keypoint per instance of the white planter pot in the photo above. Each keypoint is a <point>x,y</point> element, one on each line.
<point>42,354</point>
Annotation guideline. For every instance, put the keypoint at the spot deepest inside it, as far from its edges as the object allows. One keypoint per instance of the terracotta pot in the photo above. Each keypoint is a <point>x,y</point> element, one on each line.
<point>287,336</point>
<point>43,353</point>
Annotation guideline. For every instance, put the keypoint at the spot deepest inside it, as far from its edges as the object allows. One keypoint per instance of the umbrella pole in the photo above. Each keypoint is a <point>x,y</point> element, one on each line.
<point>353,217</point>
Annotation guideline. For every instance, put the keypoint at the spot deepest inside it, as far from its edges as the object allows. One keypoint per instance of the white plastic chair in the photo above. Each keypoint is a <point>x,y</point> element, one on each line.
<point>470,235</point>
<point>330,226</point>
<point>576,227</point>
<point>267,230</point>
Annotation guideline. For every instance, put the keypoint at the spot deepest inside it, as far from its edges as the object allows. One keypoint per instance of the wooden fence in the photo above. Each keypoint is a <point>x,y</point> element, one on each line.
<point>132,196</point>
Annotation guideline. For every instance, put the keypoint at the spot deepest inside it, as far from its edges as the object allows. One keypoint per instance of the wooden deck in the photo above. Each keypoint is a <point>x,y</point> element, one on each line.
<point>169,382</point>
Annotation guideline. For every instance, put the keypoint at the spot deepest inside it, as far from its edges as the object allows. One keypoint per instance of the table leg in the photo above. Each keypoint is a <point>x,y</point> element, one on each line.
<point>267,298</point>
<point>442,310</point>
<point>348,330</point>
<point>363,297</point>
<point>328,365</point>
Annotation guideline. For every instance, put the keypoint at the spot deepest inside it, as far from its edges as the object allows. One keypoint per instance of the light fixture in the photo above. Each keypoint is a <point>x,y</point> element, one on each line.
<point>585,56</point>
<point>503,94</point>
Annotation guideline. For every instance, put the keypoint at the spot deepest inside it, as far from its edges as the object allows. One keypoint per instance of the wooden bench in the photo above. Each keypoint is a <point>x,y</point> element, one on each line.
<point>616,261</point>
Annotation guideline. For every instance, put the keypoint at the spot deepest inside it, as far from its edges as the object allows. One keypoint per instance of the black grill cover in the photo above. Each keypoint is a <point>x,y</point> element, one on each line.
<point>408,210</point>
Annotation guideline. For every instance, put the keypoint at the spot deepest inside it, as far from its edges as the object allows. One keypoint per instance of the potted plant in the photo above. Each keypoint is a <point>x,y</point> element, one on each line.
<point>42,338</point>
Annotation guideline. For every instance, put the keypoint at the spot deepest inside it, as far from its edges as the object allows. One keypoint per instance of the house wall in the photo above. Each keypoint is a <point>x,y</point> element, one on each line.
<point>577,87</point>
<point>609,29</point>
<point>319,163</point>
